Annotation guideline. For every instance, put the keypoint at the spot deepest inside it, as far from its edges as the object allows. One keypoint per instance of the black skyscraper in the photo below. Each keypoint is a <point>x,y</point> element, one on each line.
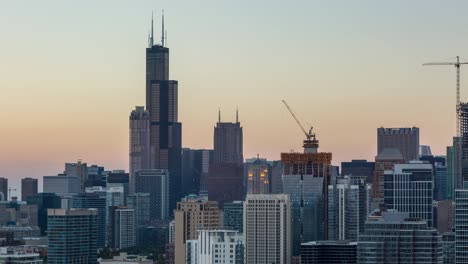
<point>162,105</point>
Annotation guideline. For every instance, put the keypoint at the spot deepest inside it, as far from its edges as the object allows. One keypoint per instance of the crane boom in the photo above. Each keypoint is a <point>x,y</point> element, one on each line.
<point>295,118</point>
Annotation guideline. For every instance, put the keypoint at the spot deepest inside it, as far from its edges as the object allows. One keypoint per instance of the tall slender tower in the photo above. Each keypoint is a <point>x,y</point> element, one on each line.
<point>162,105</point>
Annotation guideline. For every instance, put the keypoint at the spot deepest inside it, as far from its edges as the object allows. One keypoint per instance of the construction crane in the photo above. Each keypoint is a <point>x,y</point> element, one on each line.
<point>311,143</point>
<point>457,65</point>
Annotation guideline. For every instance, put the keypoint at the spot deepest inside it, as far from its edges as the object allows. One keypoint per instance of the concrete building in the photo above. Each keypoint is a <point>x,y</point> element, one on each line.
<point>4,188</point>
<point>258,177</point>
<point>140,155</point>
<point>329,252</point>
<point>385,160</point>
<point>267,229</point>
<point>157,184</point>
<point>28,188</point>
<point>195,168</point>
<point>397,238</point>
<point>216,246</point>
<point>347,208</point>
<point>406,140</point>
<point>409,188</point>
<point>79,170</point>
<point>72,236</point>
<point>233,216</point>
<point>192,214</point>
<point>97,201</point>
<point>62,185</point>
<point>359,168</point>
<point>461,226</point>
<point>123,228</point>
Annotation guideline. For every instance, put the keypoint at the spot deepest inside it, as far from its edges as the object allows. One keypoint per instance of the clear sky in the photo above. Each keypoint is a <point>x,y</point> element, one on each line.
<point>71,72</point>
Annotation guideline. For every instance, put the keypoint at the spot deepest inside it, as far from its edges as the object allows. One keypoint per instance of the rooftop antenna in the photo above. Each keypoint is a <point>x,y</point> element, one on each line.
<point>162,32</point>
<point>237,115</point>
<point>219,115</point>
<point>151,38</point>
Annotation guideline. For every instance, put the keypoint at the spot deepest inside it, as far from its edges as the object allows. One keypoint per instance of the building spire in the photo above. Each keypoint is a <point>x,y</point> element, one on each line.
<point>162,32</point>
<point>151,34</point>
<point>237,114</point>
<point>219,115</point>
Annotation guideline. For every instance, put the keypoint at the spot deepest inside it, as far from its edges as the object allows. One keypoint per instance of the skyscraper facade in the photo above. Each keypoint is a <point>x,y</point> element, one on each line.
<point>409,188</point>
<point>216,246</point>
<point>72,236</point>
<point>157,184</point>
<point>44,201</point>
<point>406,140</point>
<point>267,229</point>
<point>454,167</point>
<point>79,170</point>
<point>233,216</point>
<point>195,168</point>
<point>140,157</point>
<point>258,177</point>
<point>162,105</point>
<point>96,201</point>
<point>123,228</point>
<point>4,188</point>
<point>28,188</point>
<point>386,160</point>
<point>359,168</point>
<point>140,202</point>
<point>461,226</point>
<point>62,185</point>
<point>225,180</point>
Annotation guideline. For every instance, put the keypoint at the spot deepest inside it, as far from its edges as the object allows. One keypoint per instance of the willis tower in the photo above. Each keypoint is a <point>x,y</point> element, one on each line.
<point>162,105</point>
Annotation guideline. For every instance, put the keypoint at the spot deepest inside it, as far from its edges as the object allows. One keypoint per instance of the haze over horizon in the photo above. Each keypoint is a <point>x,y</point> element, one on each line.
<point>71,74</point>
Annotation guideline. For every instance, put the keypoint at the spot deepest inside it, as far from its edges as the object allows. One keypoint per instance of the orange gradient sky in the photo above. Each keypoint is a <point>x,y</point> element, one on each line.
<point>71,72</point>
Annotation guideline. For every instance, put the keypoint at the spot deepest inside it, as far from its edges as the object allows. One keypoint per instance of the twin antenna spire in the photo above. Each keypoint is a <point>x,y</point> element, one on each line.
<point>163,32</point>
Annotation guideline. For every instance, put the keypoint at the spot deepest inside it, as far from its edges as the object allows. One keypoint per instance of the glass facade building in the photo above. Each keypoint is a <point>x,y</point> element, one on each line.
<point>233,216</point>
<point>461,226</point>
<point>94,200</point>
<point>329,252</point>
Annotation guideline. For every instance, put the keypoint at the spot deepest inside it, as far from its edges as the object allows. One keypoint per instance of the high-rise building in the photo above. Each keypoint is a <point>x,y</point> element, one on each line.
<point>72,236</point>
<point>267,229</point>
<point>397,238</point>
<point>96,201</point>
<point>305,178</point>
<point>461,226</point>
<point>444,216</point>
<point>329,252</point>
<point>463,118</point>
<point>4,188</point>
<point>195,168</point>
<point>140,158</point>
<point>408,188</point>
<point>28,188</point>
<point>359,168</point>
<point>448,248</point>
<point>119,179</point>
<point>192,214</point>
<point>276,177</point>
<point>44,201</point>
<point>79,170</point>
<point>258,177</point>
<point>62,185</point>
<point>347,208</point>
<point>406,140</point>
<point>225,180</point>
<point>123,228</point>
<point>233,216</point>
<point>96,176</point>
<point>162,105</point>
<point>140,202</point>
<point>216,246</point>
<point>386,160</point>
<point>157,184</point>
<point>454,168</point>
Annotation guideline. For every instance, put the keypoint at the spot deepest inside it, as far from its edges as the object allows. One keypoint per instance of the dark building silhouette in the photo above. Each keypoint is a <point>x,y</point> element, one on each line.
<point>44,201</point>
<point>225,180</point>
<point>406,140</point>
<point>28,188</point>
<point>162,105</point>
<point>329,252</point>
<point>195,168</point>
<point>359,168</point>
<point>4,188</point>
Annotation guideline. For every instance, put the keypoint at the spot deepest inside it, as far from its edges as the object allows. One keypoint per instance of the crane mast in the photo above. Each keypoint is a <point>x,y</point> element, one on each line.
<point>310,143</point>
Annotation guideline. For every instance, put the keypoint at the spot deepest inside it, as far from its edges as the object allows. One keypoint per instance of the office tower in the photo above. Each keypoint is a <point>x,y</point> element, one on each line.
<point>258,177</point>
<point>454,168</point>
<point>79,170</point>
<point>425,150</point>
<point>276,177</point>
<point>267,228</point>
<point>97,201</point>
<point>195,168</point>
<point>233,216</point>
<point>216,246</point>
<point>444,216</point>
<point>96,176</point>
<point>119,179</point>
<point>192,214</point>
<point>162,105</point>
<point>305,178</point>
<point>406,140</point>
<point>347,208</point>
<point>140,202</point>
<point>461,226</point>
<point>140,158</point>
<point>44,201</point>
<point>28,188</point>
<point>448,248</point>
<point>122,228</point>
<point>62,185</point>
<point>72,236</point>
<point>440,175</point>
<point>157,184</point>
<point>386,160</point>
<point>408,188</point>
<point>359,168</point>
<point>225,180</point>
<point>329,252</point>
<point>4,188</point>
<point>397,238</point>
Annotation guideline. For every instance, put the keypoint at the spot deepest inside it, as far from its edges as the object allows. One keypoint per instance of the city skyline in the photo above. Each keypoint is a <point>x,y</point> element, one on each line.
<point>79,113</point>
